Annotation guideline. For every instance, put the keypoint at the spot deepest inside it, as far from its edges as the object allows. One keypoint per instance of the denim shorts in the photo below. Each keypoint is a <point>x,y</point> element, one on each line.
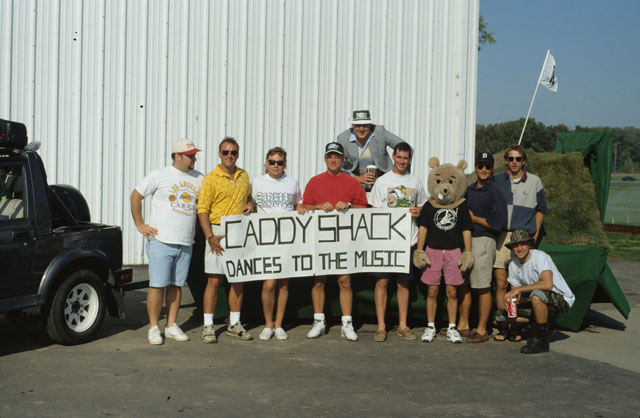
<point>168,263</point>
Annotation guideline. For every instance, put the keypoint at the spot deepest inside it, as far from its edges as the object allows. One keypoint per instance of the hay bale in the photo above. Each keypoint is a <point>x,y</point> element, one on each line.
<point>573,217</point>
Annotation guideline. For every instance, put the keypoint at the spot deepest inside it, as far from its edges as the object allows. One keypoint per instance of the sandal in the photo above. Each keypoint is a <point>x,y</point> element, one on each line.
<point>503,333</point>
<point>514,334</point>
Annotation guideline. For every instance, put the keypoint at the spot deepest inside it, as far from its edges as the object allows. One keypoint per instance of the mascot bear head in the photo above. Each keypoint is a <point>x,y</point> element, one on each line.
<point>446,183</point>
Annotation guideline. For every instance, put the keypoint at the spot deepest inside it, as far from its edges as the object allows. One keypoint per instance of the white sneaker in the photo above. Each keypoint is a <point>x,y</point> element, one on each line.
<point>429,334</point>
<point>266,334</point>
<point>318,328</point>
<point>209,334</point>
<point>154,336</point>
<point>454,336</point>
<point>176,333</point>
<point>281,334</point>
<point>348,332</point>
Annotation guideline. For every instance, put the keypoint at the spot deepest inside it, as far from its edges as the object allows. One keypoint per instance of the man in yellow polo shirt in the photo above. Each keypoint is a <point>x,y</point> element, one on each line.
<point>224,191</point>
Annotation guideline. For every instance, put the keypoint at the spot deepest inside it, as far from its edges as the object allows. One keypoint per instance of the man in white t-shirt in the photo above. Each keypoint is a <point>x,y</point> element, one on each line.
<point>169,234</point>
<point>533,274</point>
<point>397,189</point>
<point>274,191</point>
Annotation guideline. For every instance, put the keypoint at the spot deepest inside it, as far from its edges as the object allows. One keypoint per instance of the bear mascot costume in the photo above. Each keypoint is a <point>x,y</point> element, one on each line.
<point>445,228</point>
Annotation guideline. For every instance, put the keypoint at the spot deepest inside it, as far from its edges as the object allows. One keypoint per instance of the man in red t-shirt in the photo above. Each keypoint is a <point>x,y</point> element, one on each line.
<point>333,190</point>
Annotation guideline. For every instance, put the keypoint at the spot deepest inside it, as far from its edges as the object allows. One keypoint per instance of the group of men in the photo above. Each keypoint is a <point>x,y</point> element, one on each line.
<point>506,212</point>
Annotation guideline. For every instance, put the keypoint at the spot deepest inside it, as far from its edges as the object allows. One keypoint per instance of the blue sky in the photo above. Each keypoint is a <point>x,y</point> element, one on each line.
<point>596,45</point>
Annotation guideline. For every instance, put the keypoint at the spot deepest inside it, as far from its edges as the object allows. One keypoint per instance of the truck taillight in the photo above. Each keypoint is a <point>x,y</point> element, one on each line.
<point>126,275</point>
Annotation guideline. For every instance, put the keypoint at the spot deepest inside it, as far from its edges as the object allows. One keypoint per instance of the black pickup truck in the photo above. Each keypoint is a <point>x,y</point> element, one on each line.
<point>52,257</point>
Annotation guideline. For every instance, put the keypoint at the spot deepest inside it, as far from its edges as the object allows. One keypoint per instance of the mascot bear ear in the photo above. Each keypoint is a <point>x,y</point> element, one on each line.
<point>462,165</point>
<point>434,162</point>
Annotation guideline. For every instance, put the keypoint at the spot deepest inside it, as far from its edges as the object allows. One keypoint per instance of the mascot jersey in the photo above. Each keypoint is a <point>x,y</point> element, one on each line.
<point>445,226</point>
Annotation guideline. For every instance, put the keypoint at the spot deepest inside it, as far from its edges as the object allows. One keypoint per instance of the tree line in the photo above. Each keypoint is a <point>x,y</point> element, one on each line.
<point>542,138</point>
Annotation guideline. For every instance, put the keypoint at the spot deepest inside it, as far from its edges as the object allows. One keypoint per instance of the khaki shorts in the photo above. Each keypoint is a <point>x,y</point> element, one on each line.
<point>484,254</point>
<point>503,254</point>
<point>212,261</point>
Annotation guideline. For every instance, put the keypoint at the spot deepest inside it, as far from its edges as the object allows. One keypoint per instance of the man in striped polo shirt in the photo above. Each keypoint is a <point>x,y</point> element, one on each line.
<point>526,205</point>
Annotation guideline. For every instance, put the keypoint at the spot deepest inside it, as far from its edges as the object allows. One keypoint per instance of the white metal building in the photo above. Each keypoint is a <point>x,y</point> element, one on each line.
<point>108,85</point>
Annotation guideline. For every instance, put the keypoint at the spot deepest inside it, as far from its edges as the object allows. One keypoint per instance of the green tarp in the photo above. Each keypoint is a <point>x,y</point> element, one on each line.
<point>596,148</point>
<point>586,271</point>
<point>583,267</point>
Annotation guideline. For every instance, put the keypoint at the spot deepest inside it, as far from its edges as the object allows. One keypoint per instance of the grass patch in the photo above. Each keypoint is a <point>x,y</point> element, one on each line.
<point>626,247</point>
<point>623,205</point>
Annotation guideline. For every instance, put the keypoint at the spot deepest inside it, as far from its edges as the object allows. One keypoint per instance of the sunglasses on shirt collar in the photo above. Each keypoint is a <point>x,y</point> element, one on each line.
<point>274,162</point>
<point>226,152</point>
<point>518,159</point>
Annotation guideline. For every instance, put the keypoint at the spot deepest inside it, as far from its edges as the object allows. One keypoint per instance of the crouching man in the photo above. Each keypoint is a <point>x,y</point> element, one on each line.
<point>534,277</point>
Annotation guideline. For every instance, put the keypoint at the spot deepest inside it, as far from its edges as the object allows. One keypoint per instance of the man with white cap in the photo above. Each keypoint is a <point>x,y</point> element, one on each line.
<point>169,234</point>
<point>365,145</point>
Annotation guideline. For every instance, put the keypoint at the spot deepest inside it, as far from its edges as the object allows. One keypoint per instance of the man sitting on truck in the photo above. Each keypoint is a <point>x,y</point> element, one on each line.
<point>169,234</point>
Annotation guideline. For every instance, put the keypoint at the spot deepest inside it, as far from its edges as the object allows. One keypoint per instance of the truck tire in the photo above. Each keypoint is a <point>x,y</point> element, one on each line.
<point>77,309</point>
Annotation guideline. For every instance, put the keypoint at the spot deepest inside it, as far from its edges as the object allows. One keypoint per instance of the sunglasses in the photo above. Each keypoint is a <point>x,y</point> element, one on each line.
<point>226,152</point>
<point>274,162</point>
<point>518,159</point>
<point>484,165</point>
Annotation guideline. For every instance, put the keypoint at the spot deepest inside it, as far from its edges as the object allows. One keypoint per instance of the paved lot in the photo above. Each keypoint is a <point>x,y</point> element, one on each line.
<point>593,373</point>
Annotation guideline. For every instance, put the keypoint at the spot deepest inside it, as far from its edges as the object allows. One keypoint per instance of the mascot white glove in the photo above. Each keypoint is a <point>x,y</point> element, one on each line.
<point>420,259</point>
<point>466,261</point>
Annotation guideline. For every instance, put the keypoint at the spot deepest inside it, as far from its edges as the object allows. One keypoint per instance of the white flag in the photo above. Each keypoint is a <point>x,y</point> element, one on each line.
<point>549,79</point>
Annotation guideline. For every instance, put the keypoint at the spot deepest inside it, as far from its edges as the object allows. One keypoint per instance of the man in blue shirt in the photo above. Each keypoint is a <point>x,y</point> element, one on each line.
<point>488,210</point>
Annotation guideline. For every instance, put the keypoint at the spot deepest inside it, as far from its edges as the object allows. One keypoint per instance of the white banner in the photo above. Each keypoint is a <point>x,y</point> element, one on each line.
<point>280,245</point>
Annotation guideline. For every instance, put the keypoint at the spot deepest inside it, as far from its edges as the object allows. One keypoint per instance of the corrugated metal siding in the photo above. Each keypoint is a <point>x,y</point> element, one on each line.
<point>108,85</point>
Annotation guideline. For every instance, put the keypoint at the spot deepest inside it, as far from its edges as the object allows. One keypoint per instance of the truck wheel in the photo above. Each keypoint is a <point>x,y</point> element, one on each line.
<point>77,308</point>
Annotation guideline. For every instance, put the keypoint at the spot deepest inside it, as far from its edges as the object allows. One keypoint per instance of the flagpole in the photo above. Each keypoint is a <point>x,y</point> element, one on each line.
<point>534,95</point>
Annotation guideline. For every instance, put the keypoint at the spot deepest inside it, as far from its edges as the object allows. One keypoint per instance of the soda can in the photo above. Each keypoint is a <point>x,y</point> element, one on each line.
<point>512,308</point>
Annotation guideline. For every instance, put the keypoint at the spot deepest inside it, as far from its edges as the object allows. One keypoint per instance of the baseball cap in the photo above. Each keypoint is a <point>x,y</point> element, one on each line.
<point>333,147</point>
<point>184,146</point>
<point>484,157</point>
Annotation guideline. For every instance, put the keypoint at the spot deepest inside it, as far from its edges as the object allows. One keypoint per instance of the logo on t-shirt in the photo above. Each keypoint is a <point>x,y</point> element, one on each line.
<point>400,197</point>
<point>274,199</point>
<point>446,219</point>
<point>183,197</point>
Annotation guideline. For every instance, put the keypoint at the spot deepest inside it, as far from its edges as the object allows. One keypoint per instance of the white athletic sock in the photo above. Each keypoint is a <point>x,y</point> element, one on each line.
<point>208,319</point>
<point>452,326</point>
<point>234,318</point>
<point>318,316</point>
<point>431,324</point>
<point>346,318</point>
